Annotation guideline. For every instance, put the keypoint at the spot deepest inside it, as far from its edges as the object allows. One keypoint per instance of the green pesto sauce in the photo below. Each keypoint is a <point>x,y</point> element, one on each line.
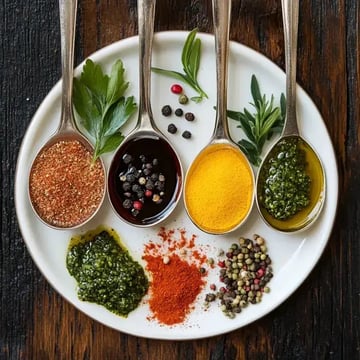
<point>284,180</point>
<point>105,272</point>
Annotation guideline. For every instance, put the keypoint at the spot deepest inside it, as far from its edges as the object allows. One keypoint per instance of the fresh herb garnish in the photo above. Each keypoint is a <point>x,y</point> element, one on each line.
<point>190,58</point>
<point>101,106</point>
<point>261,125</point>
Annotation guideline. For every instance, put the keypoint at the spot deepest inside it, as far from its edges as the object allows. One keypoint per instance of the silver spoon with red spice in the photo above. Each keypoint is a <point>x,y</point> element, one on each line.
<point>66,187</point>
<point>145,176</point>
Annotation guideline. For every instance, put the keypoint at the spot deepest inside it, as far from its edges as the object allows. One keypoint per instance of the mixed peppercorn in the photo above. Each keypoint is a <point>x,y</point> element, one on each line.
<point>141,183</point>
<point>244,275</point>
<point>167,111</point>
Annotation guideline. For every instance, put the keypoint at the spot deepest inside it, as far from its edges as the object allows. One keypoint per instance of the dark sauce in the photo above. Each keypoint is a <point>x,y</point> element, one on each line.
<point>152,147</point>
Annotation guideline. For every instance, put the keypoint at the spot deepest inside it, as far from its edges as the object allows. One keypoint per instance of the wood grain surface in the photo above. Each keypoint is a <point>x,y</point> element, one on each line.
<point>321,320</point>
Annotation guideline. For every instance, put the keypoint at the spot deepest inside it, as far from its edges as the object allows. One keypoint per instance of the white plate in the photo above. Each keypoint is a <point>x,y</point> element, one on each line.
<point>294,256</point>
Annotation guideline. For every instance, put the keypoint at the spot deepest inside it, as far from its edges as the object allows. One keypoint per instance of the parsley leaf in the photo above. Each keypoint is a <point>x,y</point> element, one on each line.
<point>101,106</point>
<point>261,125</point>
<point>190,58</point>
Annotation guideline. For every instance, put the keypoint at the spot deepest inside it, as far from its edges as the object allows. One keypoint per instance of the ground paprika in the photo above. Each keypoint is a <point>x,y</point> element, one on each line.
<point>176,282</point>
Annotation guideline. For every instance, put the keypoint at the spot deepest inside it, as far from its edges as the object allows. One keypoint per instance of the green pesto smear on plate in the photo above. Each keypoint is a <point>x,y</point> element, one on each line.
<point>105,272</point>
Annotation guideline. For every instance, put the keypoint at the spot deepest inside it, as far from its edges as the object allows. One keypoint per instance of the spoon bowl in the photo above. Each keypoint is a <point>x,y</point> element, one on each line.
<point>290,185</point>
<point>222,202</point>
<point>145,176</point>
<point>56,197</point>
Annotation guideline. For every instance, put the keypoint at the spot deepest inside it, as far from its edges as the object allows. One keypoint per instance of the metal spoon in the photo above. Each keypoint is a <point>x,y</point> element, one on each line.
<point>67,130</point>
<point>146,139</point>
<point>301,220</point>
<point>221,138</point>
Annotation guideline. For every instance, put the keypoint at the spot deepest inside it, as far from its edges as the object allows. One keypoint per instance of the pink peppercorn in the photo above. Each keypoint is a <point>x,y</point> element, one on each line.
<point>260,273</point>
<point>137,205</point>
<point>176,89</point>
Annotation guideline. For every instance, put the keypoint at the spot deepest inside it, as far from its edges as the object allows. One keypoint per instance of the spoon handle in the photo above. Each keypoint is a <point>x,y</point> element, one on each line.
<point>67,14</point>
<point>146,15</point>
<point>221,17</point>
<point>290,11</point>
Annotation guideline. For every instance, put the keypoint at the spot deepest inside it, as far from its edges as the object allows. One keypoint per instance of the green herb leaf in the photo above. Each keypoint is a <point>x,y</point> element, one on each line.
<point>190,59</point>
<point>94,79</point>
<point>111,142</point>
<point>100,104</point>
<point>173,74</point>
<point>255,91</point>
<point>86,107</point>
<point>116,85</point>
<point>260,125</point>
<point>120,113</point>
<point>251,151</point>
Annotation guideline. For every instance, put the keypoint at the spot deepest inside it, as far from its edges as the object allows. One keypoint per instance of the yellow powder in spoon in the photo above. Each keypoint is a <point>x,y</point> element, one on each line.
<point>219,189</point>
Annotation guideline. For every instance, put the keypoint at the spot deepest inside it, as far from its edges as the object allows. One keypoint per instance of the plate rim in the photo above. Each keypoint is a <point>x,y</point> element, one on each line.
<point>106,51</point>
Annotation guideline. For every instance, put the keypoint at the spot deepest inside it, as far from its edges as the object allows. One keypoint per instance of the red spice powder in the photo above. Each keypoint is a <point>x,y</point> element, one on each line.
<point>177,281</point>
<point>174,288</point>
<point>65,187</point>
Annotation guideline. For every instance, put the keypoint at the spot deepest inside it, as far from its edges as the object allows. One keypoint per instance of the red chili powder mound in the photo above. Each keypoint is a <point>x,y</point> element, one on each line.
<point>176,279</point>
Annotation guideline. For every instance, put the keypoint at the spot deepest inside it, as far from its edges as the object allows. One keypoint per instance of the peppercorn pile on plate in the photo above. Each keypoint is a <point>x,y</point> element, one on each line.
<point>293,256</point>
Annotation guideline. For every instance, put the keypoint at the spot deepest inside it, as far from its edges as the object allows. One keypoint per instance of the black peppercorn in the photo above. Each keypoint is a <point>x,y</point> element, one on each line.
<point>149,185</point>
<point>136,188</point>
<point>130,178</point>
<point>126,186</point>
<point>172,129</point>
<point>166,110</point>
<point>127,158</point>
<point>127,204</point>
<point>179,112</point>
<point>154,176</point>
<point>189,116</point>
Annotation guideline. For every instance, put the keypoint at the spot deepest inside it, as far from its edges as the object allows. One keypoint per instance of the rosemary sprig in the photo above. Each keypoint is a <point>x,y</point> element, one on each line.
<point>261,125</point>
<point>190,59</point>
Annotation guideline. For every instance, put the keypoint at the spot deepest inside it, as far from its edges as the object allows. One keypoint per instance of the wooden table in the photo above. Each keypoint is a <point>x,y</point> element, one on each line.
<point>321,320</point>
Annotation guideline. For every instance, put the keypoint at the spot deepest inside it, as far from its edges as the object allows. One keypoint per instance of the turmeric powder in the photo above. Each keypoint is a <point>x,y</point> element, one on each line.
<point>219,189</point>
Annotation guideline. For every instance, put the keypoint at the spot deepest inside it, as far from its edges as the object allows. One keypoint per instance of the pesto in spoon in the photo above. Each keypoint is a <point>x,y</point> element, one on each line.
<point>290,187</point>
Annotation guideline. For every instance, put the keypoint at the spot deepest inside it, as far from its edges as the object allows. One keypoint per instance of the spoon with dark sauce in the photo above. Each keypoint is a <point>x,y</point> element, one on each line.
<point>66,188</point>
<point>145,176</point>
<point>291,180</point>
